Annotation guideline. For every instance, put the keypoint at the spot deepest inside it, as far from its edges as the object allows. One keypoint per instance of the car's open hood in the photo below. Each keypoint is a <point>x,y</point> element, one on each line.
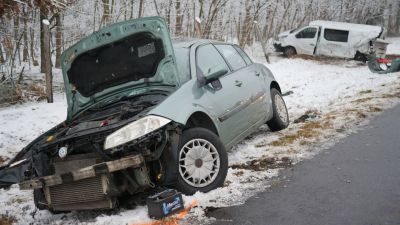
<point>122,56</point>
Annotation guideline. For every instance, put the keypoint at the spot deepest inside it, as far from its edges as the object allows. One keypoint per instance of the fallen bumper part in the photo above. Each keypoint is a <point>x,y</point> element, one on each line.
<point>382,66</point>
<point>278,47</point>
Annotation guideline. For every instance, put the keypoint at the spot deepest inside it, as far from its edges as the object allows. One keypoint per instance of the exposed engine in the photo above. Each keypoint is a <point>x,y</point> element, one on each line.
<point>79,147</point>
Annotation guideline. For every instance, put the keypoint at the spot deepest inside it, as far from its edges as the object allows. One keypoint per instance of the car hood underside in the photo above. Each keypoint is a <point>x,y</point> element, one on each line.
<point>130,59</point>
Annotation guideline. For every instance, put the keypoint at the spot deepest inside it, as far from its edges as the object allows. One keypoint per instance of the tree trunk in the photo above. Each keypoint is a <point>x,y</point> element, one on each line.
<point>140,8</point>
<point>59,30</point>
<point>94,15</point>
<point>397,25</point>
<point>2,60</point>
<point>16,35</point>
<point>47,63</point>
<point>168,12</point>
<point>32,41</point>
<point>258,32</point>
<point>247,25</point>
<point>105,19</point>
<point>156,7</point>
<point>178,18</point>
<point>25,53</point>
<point>42,43</point>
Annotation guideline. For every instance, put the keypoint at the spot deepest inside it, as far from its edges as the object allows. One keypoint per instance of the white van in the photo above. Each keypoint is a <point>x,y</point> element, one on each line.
<point>328,38</point>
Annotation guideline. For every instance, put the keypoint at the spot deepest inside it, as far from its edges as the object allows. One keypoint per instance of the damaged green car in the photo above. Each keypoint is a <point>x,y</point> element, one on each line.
<point>145,113</point>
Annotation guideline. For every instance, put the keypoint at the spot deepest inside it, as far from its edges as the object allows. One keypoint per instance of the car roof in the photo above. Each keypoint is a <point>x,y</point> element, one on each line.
<point>346,26</point>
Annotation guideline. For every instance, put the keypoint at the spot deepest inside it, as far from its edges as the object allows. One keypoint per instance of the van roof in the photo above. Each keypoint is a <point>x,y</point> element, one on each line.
<point>347,26</point>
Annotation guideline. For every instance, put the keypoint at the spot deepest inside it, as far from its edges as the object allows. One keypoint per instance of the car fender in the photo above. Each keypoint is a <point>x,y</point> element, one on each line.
<point>183,103</point>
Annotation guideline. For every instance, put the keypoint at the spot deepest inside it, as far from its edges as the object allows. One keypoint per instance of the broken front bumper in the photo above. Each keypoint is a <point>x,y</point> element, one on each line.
<point>278,47</point>
<point>90,187</point>
<point>84,173</point>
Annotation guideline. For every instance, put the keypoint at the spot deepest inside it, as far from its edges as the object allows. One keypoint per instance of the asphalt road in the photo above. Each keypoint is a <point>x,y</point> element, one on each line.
<point>357,181</point>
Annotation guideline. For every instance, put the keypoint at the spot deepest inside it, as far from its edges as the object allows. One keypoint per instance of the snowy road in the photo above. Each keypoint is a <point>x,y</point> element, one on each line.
<point>339,95</point>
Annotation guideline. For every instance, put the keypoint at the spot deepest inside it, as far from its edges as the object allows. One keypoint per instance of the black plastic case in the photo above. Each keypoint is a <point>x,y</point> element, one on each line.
<point>164,203</point>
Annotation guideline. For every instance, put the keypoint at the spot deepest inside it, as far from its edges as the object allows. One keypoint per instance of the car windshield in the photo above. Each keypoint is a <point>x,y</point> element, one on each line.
<point>294,30</point>
<point>182,62</point>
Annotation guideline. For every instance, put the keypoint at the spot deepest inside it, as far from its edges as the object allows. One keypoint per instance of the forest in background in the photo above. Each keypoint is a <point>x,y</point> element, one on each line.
<point>26,42</point>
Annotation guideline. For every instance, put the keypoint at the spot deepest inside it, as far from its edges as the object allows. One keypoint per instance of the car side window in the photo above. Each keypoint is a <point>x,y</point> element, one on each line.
<point>243,54</point>
<point>232,56</point>
<point>336,35</point>
<point>308,32</point>
<point>208,58</point>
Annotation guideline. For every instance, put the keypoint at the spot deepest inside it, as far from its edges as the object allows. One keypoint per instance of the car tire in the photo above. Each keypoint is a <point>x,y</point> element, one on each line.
<point>289,52</point>
<point>203,161</point>
<point>280,118</point>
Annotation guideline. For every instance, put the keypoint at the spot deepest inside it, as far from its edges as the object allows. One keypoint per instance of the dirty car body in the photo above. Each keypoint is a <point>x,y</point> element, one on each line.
<point>145,113</point>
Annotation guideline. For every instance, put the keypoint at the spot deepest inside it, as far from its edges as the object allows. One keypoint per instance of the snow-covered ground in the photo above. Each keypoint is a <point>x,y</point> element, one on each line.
<point>339,96</point>
<point>394,47</point>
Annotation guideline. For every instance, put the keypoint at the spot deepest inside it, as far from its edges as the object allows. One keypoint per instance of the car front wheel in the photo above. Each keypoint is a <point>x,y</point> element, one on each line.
<point>280,118</point>
<point>289,52</point>
<point>203,161</point>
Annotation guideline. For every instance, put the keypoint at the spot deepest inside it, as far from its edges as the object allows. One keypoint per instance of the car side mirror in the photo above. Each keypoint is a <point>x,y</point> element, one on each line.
<point>213,74</point>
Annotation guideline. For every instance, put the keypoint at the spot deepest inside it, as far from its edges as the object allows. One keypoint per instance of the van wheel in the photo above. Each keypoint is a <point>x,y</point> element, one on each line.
<point>289,52</point>
<point>280,118</point>
<point>203,161</point>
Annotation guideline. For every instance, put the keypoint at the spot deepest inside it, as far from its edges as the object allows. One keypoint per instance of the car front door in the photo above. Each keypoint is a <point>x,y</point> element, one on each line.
<point>306,40</point>
<point>228,98</point>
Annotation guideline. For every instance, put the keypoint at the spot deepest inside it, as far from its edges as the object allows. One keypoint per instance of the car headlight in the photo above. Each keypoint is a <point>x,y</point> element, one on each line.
<point>135,130</point>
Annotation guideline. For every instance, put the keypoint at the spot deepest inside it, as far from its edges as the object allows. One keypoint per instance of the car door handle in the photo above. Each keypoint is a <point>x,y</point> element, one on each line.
<point>257,73</point>
<point>238,83</point>
<point>312,44</point>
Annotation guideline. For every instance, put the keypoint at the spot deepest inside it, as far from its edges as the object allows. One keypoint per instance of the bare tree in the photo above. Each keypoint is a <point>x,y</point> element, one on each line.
<point>47,61</point>
<point>178,18</point>
<point>140,14</point>
<point>25,53</point>
<point>59,39</point>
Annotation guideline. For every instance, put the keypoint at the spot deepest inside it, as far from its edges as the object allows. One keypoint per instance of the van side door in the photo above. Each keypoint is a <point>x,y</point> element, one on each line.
<point>335,43</point>
<point>306,40</point>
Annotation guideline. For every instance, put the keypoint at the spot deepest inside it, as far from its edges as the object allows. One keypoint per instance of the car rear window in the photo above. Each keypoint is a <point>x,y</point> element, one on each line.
<point>232,56</point>
<point>244,55</point>
<point>336,35</point>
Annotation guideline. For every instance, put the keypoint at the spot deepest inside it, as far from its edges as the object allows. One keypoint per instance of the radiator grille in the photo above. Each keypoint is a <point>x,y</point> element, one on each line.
<point>82,194</point>
<point>86,190</point>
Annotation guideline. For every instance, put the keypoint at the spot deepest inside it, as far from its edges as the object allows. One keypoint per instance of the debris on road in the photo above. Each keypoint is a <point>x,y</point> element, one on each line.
<point>308,115</point>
